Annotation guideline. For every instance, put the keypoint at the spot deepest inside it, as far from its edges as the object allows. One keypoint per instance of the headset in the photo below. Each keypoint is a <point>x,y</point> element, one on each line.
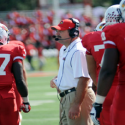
<point>74,32</point>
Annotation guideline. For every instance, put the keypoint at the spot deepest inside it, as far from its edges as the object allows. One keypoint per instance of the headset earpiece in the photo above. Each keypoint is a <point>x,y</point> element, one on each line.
<point>74,32</point>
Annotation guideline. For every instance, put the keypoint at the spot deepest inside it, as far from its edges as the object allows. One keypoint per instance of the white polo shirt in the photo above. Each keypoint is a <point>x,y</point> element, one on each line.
<point>72,65</point>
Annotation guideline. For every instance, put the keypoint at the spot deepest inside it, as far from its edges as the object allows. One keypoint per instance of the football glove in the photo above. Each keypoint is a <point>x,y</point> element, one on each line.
<point>95,113</point>
<point>25,106</point>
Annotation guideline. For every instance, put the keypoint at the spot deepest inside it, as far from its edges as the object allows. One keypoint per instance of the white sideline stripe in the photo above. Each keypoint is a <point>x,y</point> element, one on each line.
<point>42,119</point>
<point>40,102</point>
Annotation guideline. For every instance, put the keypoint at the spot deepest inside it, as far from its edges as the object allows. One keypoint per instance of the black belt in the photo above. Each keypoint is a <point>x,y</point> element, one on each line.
<point>62,94</point>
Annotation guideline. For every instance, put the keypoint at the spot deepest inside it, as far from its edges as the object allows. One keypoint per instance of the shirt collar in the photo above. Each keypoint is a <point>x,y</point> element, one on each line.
<point>72,44</point>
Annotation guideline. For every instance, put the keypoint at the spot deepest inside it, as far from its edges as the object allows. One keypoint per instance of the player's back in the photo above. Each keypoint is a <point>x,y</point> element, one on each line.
<point>114,37</point>
<point>8,55</point>
<point>94,45</point>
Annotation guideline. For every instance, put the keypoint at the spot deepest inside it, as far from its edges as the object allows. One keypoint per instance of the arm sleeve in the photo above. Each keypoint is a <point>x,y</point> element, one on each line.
<point>109,36</point>
<point>20,54</point>
<point>79,65</point>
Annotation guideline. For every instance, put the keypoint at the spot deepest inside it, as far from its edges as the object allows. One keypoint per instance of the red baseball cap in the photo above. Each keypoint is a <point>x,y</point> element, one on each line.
<point>64,25</point>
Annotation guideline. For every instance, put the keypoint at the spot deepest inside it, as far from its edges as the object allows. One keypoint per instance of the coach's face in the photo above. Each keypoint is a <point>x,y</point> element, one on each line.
<point>63,36</point>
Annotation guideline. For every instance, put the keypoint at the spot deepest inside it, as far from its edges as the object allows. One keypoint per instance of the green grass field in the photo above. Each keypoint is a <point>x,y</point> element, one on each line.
<point>43,99</point>
<point>50,64</point>
<point>44,103</point>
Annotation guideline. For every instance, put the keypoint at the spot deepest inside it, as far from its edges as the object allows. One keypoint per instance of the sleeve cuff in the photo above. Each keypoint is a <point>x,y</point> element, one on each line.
<point>100,99</point>
<point>25,99</point>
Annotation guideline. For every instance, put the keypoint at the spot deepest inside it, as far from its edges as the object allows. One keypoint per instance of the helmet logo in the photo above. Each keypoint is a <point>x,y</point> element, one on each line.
<point>100,27</point>
<point>5,28</point>
<point>123,5</point>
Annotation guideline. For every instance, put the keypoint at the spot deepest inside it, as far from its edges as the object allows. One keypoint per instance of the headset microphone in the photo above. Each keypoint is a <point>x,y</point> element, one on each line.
<point>56,39</point>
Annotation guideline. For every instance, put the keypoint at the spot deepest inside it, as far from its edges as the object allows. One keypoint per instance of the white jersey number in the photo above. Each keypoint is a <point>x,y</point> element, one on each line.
<point>97,48</point>
<point>4,64</point>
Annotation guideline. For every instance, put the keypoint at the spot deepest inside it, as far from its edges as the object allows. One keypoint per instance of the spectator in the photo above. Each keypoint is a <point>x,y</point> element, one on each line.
<point>30,49</point>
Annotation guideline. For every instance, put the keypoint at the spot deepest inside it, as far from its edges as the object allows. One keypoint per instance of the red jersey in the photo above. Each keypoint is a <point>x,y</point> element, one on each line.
<point>95,47</point>
<point>9,54</point>
<point>114,37</point>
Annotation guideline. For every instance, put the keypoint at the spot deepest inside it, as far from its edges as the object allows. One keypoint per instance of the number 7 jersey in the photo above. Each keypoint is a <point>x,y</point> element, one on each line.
<point>9,54</point>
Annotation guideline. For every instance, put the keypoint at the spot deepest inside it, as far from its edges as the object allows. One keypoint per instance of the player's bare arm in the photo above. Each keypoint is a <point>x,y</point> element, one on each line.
<point>17,70</point>
<point>91,67</point>
<point>106,76</point>
<point>75,108</point>
<point>107,71</point>
<point>24,74</point>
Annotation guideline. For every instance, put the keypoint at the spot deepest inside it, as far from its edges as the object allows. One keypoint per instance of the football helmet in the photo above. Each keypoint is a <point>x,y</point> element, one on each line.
<point>6,29</point>
<point>100,26</point>
<point>122,8</point>
<point>113,15</point>
<point>3,36</point>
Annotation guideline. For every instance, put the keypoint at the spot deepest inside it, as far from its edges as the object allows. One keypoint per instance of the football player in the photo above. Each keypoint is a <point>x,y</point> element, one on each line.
<point>18,97</point>
<point>114,41</point>
<point>11,57</point>
<point>94,55</point>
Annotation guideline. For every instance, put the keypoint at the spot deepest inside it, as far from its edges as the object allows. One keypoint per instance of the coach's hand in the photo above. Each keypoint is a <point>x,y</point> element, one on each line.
<point>74,111</point>
<point>25,106</point>
<point>95,113</point>
<point>53,82</point>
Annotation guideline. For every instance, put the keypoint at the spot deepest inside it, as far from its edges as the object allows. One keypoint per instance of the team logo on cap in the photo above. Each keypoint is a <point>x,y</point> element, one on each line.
<point>61,22</point>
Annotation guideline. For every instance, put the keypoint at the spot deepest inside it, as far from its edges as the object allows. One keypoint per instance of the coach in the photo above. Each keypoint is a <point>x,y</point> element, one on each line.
<point>73,81</point>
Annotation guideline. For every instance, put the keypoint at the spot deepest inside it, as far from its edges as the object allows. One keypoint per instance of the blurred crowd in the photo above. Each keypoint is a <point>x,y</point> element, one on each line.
<point>35,32</point>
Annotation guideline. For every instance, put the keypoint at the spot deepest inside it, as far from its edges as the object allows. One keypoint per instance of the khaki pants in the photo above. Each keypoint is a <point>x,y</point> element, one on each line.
<point>84,118</point>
